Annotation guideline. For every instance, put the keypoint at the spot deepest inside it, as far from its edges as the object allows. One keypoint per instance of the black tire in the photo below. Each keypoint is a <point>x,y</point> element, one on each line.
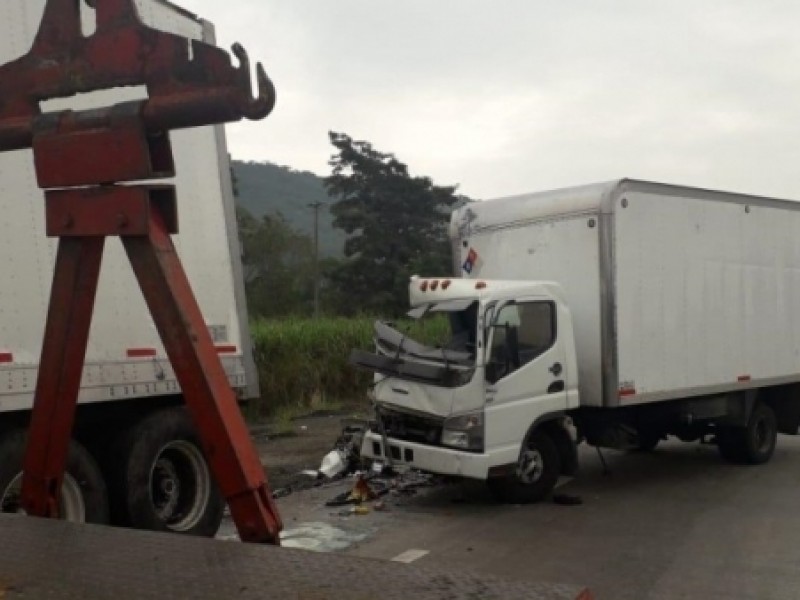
<point>753,444</point>
<point>161,480</point>
<point>760,435</point>
<point>87,489</point>
<point>522,489</point>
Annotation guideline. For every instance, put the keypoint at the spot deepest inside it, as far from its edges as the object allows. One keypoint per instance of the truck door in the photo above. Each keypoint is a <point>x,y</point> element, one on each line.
<point>525,370</point>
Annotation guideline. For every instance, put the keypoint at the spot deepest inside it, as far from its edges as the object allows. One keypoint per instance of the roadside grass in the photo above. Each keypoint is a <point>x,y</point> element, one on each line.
<point>303,364</point>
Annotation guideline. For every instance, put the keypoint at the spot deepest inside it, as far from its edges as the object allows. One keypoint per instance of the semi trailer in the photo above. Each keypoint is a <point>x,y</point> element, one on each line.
<point>616,314</point>
<point>135,459</point>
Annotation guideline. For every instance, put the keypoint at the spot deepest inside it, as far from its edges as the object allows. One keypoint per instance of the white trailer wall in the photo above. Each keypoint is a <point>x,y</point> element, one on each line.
<point>707,293</point>
<point>207,245</point>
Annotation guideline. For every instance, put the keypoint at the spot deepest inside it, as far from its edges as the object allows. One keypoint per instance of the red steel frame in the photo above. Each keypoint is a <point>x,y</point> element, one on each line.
<point>80,159</point>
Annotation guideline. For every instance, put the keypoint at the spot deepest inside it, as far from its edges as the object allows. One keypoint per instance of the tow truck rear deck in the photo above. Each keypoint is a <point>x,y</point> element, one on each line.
<point>46,558</point>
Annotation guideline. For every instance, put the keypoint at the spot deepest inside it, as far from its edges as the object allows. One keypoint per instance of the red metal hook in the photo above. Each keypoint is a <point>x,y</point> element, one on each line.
<point>185,90</point>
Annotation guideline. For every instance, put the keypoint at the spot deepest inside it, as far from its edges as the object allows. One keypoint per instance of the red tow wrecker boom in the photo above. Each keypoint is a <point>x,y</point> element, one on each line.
<point>81,160</point>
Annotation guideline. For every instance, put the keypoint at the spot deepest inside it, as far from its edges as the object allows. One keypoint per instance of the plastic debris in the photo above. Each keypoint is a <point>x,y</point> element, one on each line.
<point>362,491</point>
<point>360,510</point>
<point>281,492</point>
<point>333,463</point>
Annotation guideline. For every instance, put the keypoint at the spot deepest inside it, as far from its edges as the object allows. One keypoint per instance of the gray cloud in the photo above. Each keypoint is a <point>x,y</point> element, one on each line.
<point>508,96</point>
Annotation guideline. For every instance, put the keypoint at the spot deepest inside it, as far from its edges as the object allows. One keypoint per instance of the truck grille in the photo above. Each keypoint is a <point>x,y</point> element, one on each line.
<point>411,428</point>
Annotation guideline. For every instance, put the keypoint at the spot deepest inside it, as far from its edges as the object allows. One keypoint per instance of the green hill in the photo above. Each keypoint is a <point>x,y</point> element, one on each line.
<point>266,188</point>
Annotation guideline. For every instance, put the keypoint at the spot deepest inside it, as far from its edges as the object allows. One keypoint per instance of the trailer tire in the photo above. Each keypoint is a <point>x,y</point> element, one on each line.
<point>536,474</point>
<point>163,481</point>
<point>753,444</point>
<point>84,498</point>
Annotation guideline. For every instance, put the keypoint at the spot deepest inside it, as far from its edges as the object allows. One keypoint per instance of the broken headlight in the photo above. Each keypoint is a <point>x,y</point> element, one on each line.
<point>464,431</point>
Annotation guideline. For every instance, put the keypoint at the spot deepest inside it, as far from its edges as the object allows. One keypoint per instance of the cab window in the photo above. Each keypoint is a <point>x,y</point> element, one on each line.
<point>521,332</point>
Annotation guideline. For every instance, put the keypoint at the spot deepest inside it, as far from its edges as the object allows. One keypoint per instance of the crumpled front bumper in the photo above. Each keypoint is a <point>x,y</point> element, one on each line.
<point>433,459</point>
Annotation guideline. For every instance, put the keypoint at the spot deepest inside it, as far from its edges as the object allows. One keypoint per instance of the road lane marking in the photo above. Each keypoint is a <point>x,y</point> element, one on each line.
<point>410,555</point>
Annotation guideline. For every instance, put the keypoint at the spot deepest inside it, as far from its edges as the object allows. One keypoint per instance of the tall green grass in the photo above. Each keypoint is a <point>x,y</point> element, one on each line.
<point>303,363</point>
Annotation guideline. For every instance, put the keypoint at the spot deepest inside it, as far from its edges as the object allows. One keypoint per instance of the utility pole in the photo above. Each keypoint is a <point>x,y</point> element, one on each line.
<point>316,206</point>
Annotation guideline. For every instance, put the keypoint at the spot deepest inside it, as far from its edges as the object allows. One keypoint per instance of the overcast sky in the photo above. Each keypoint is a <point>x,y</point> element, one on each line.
<point>512,96</point>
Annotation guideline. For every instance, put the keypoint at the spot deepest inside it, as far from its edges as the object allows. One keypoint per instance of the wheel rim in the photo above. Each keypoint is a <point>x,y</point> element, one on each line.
<point>762,435</point>
<point>531,466</point>
<point>180,485</point>
<point>71,504</point>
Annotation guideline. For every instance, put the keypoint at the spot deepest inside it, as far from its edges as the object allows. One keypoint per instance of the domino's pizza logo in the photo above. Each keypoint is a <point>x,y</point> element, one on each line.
<point>471,262</point>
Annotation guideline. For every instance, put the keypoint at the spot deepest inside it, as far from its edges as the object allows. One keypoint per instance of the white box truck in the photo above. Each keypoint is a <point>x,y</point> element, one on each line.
<point>617,314</point>
<point>136,459</point>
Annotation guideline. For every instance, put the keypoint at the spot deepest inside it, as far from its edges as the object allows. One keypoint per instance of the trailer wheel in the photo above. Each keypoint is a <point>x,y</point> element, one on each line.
<point>164,482</point>
<point>760,435</point>
<point>536,474</point>
<point>753,444</point>
<point>83,491</point>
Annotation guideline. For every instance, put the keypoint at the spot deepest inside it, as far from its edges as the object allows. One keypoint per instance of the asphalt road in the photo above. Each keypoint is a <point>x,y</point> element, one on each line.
<point>678,523</point>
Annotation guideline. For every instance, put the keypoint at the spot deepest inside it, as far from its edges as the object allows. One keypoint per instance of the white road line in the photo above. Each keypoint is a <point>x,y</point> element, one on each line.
<point>410,555</point>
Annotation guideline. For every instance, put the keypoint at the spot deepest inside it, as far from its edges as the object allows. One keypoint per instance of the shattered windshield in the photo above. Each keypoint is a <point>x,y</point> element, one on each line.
<point>451,325</point>
<point>441,351</point>
<point>442,332</point>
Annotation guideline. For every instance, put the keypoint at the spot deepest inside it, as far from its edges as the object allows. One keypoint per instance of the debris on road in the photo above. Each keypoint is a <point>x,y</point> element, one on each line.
<point>334,463</point>
<point>345,457</point>
<point>319,537</point>
<point>281,492</point>
<point>362,491</point>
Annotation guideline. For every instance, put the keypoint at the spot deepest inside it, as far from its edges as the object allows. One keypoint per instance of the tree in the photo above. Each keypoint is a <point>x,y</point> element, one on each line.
<point>278,266</point>
<point>396,223</point>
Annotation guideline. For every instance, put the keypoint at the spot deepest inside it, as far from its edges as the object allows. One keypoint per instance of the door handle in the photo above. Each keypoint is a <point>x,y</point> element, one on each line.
<point>556,386</point>
<point>556,369</point>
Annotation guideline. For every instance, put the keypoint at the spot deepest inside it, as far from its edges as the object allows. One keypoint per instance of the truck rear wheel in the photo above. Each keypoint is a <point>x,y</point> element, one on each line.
<point>753,444</point>
<point>536,474</point>
<point>163,481</point>
<point>83,492</point>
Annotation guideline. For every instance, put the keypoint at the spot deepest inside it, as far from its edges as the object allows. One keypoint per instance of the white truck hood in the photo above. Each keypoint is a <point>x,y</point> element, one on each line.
<point>415,397</point>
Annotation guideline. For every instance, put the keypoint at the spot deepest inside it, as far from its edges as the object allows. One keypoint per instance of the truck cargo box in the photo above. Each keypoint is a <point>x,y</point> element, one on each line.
<point>675,292</point>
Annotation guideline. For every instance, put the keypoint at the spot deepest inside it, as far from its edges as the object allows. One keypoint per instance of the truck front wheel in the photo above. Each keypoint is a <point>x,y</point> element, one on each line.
<point>753,444</point>
<point>162,480</point>
<point>536,473</point>
<point>83,496</point>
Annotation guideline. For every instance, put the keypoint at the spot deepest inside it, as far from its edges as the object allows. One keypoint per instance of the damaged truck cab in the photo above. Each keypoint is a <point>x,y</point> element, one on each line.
<point>491,401</point>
